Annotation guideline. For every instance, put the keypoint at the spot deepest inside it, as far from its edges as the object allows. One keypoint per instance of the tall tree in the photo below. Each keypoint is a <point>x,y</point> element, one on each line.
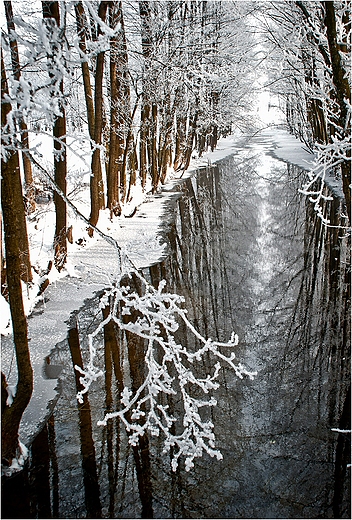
<point>14,230</point>
<point>16,68</point>
<point>51,16</point>
<point>97,202</point>
<point>316,83</point>
<point>118,78</point>
<point>96,182</point>
<point>343,97</point>
<point>146,154</point>
<point>82,30</point>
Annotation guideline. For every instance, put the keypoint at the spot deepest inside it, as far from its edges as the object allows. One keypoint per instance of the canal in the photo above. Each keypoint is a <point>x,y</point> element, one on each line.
<point>249,255</point>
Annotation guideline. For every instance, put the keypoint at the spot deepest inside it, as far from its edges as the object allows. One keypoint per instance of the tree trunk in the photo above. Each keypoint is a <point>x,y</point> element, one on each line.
<point>180,145</point>
<point>14,229</point>
<point>143,138</point>
<point>165,148</point>
<point>343,95</point>
<point>27,166</point>
<point>82,31</point>
<point>130,154</point>
<point>190,139</point>
<point>51,12</point>
<point>118,113</point>
<point>126,118</point>
<point>149,109</point>
<point>24,254</point>
<point>96,182</point>
<point>81,21</point>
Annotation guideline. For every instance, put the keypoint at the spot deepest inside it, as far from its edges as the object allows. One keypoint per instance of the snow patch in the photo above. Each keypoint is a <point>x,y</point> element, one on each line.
<point>5,317</point>
<point>11,392</point>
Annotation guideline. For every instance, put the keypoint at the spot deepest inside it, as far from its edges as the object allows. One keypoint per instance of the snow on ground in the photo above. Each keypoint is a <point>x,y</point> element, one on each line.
<point>289,149</point>
<point>93,265</point>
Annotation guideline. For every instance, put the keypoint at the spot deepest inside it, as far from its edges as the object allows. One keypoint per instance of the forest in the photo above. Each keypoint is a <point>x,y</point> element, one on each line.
<point>102,104</point>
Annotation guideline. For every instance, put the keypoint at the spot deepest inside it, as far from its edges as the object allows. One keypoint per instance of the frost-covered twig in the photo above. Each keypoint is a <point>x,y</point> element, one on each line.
<point>314,189</point>
<point>328,159</point>
<point>170,369</point>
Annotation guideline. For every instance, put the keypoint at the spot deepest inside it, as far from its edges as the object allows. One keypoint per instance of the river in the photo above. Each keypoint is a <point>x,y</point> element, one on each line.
<point>249,254</point>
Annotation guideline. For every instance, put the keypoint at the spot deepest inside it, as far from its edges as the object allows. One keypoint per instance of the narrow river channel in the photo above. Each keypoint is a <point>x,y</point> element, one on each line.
<point>249,255</point>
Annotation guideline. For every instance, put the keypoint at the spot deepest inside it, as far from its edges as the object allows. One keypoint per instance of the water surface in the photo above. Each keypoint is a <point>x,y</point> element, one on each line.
<point>250,256</point>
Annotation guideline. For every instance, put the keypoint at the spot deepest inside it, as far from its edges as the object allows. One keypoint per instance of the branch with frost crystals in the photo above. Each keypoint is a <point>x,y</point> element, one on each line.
<point>39,96</point>
<point>328,158</point>
<point>171,370</point>
<point>316,195</point>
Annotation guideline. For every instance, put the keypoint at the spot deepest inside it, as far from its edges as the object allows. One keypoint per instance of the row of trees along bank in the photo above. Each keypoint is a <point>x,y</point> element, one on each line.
<point>128,89</point>
<point>312,74</point>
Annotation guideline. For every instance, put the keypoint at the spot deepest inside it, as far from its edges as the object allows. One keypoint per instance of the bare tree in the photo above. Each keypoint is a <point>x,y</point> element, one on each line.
<point>119,109</point>
<point>51,16</point>
<point>96,183</point>
<point>343,96</point>
<point>17,263</point>
<point>16,68</point>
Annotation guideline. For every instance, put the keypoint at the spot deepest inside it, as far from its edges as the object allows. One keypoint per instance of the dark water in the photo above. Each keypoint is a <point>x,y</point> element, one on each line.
<point>250,256</point>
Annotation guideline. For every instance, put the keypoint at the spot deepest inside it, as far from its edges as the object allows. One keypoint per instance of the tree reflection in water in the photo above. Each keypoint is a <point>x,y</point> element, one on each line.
<point>249,254</point>
<point>89,467</point>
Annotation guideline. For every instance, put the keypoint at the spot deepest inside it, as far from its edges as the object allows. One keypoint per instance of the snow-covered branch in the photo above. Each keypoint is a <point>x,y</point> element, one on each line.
<point>328,159</point>
<point>171,369</point>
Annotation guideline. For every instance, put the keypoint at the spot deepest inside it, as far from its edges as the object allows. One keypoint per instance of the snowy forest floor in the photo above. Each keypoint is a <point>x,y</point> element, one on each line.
<point>93,265</point>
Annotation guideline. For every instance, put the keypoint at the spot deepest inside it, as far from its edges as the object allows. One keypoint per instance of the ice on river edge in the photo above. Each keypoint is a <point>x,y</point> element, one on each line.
<point>93,266</point>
